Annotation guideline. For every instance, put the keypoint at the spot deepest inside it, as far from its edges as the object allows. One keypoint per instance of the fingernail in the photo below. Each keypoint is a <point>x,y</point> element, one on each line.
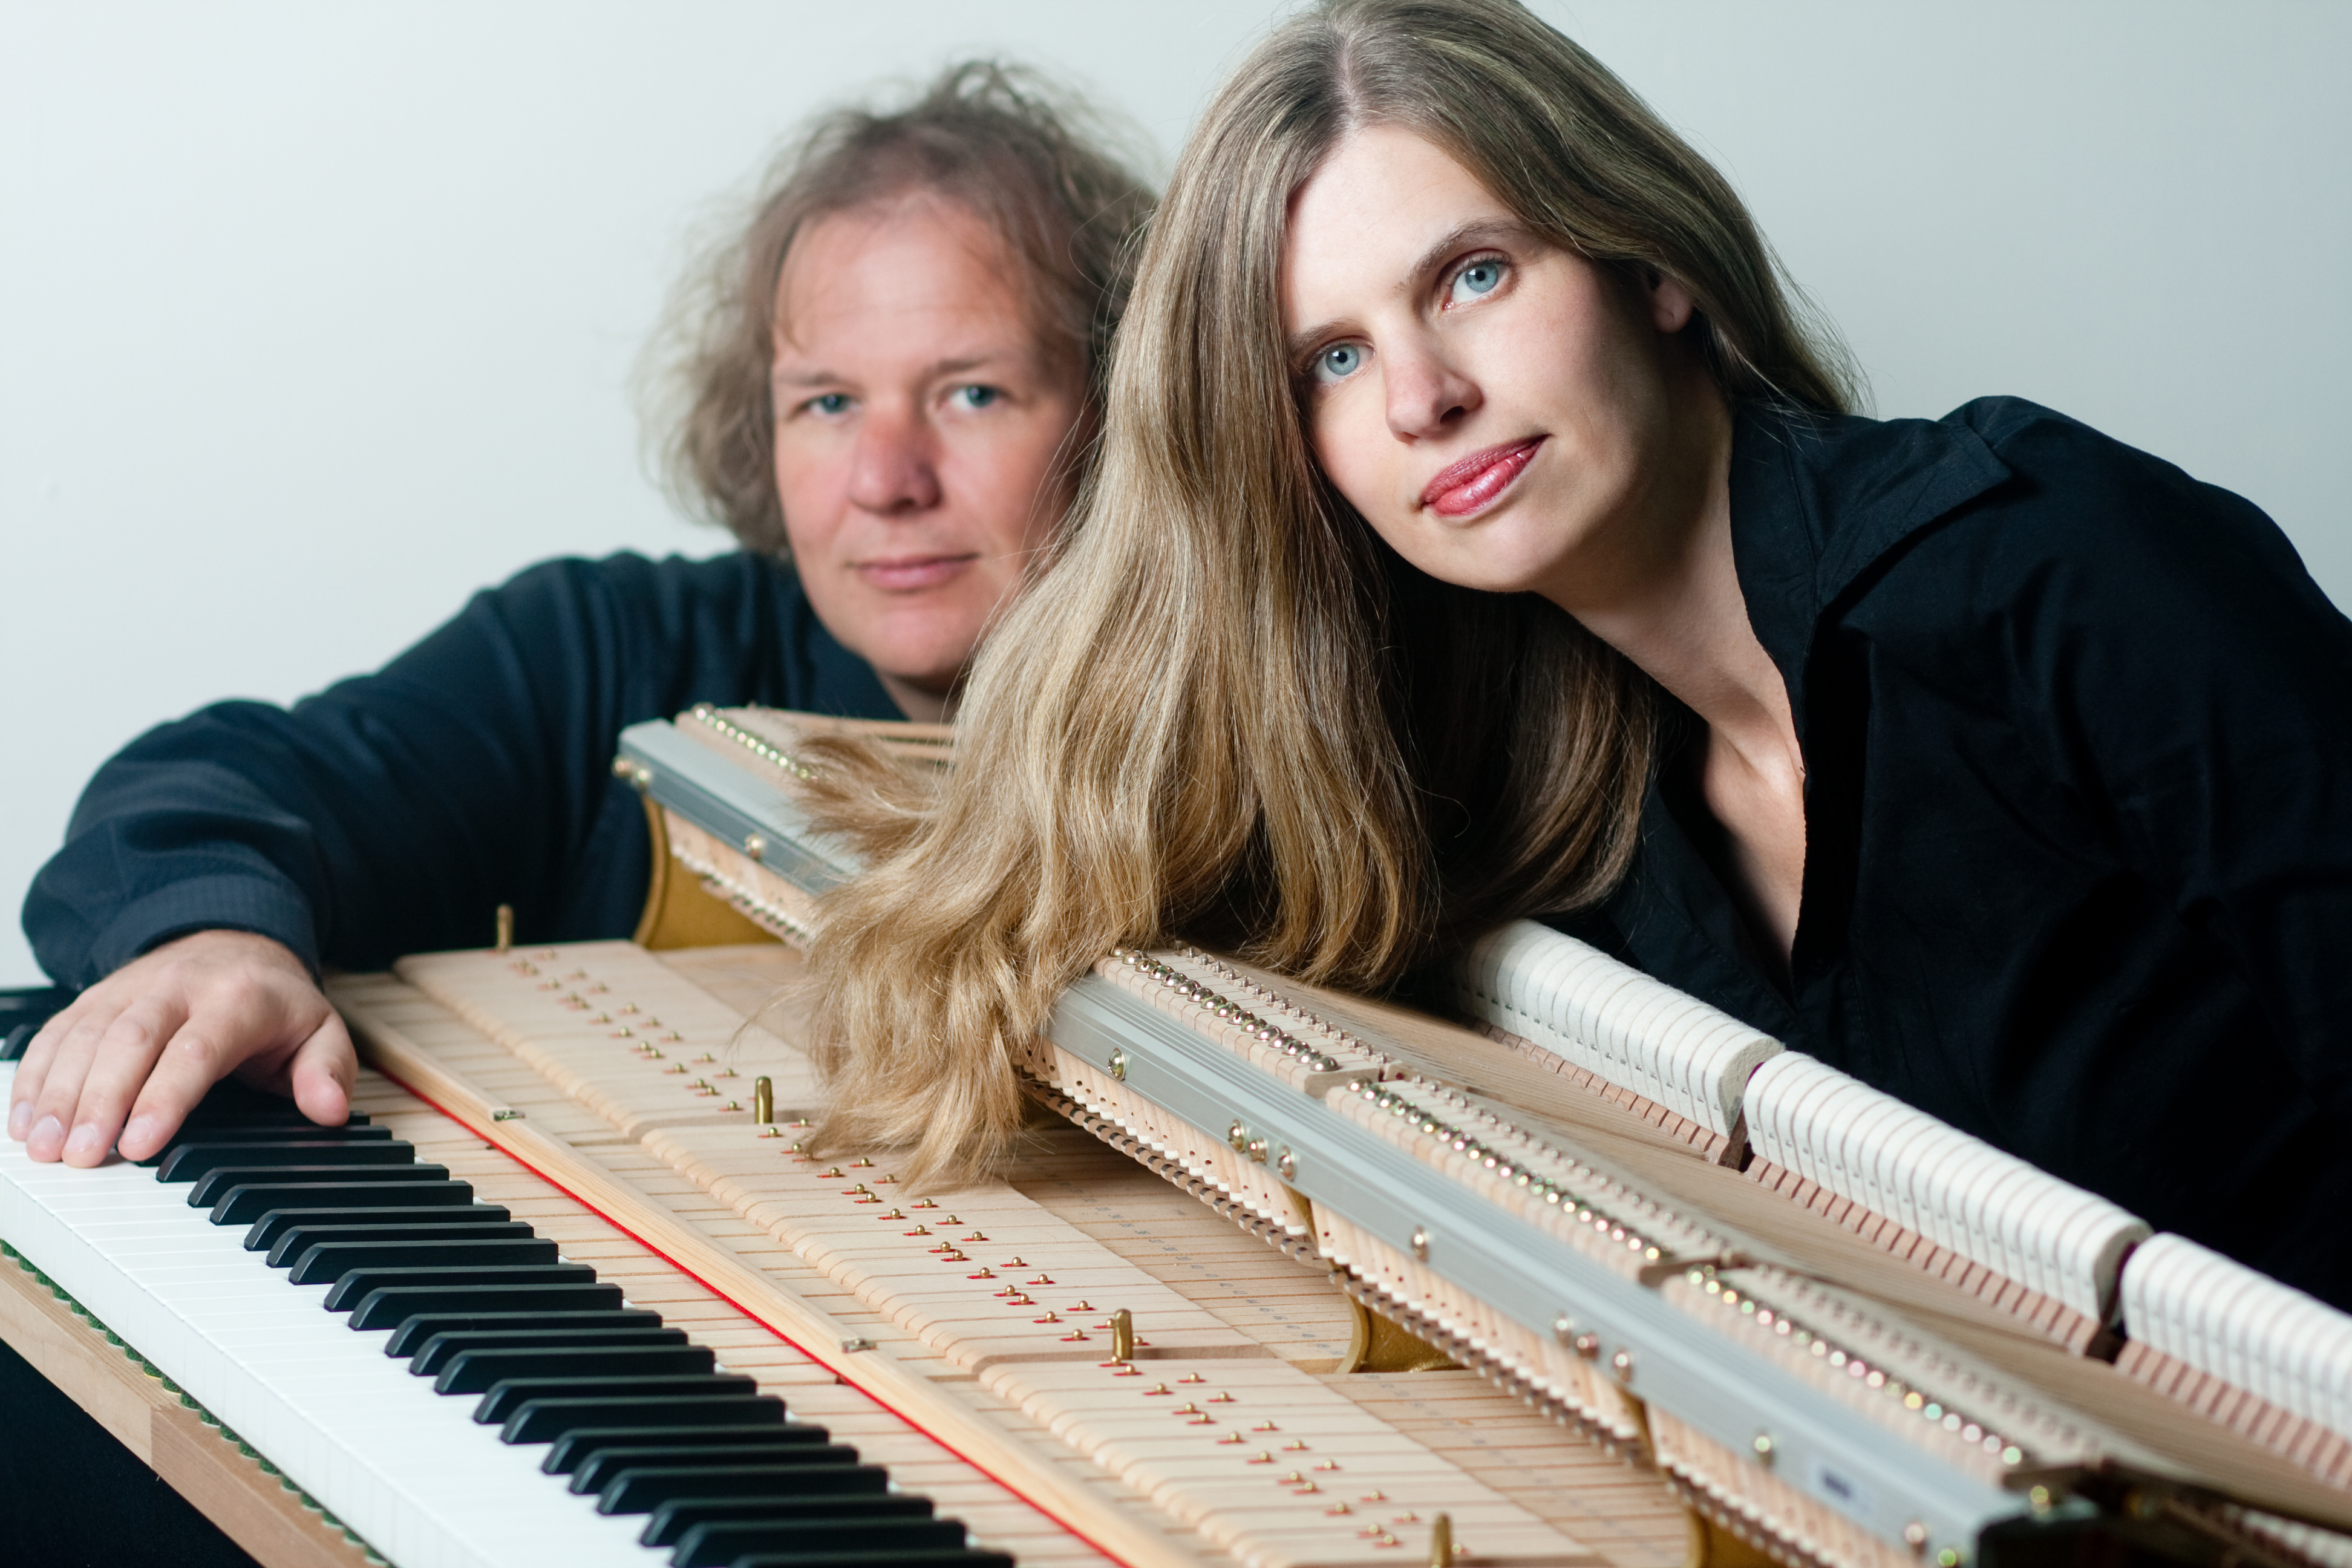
<point>141,1128</point>
<point>86,1141</point>
<point>48,1130</point>
<point>20,1119</point>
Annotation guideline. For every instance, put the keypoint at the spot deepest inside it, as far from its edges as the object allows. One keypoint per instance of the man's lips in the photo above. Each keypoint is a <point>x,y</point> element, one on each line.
<point>903,573</point>
<point>1464,487</point>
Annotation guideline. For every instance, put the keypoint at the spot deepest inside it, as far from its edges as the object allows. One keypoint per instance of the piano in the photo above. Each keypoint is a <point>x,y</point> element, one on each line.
<point>1583,1275</point>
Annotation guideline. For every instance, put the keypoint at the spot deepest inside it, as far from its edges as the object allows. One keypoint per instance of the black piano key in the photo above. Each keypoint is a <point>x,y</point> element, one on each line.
<point>191,1160</point>
<point>511,1393</point>
<point>325,1260</point>
<point>474,1371</point>
<point>410,1338</point>
<point>581,1446</point>
<point>940,1557</point>
<point>214,1183</point>
<point>791,1443</point>
<point>267,1231</point>
<point>717,1543</point>
<point>296,1239</point>
<point>545,1420</point>
<point>354,1284</point>
<point>390,1306</point>
<point>641,1489</point>
<point>229,1102</point>
<point>248,1204</point>
<point>435,1354</point>
<point>674,1519</point>
<point>307,1131</point>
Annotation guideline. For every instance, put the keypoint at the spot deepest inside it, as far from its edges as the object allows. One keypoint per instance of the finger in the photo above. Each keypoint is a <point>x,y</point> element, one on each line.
<point>83,1132</point>
<point>33,1068</point>
<point>118,1072</point>
<point>92,1011</point>
<point>199,1056</point>
<point>323,1072</point>
<point>53,1106</point>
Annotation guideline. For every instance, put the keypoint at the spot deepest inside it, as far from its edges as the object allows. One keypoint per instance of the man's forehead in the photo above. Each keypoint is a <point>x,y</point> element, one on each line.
<point>912,266</point>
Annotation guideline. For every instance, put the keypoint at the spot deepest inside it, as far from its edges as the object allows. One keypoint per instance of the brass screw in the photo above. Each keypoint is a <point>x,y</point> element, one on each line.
<point>764,1100</point>
<point>1441,1542</point>
<point>1763,1447</point>
<point>506,928</point>
<point>1122,1335</point>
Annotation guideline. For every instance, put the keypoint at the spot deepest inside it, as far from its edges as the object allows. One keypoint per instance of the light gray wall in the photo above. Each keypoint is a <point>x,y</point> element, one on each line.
<point>313,319</point>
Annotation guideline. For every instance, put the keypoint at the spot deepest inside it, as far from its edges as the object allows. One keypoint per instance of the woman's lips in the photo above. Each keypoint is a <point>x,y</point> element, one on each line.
<point>907,572</point>
<point>1462,488</point>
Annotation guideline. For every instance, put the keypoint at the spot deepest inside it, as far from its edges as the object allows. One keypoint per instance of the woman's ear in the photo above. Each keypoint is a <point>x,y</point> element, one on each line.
<point>1671,305</point>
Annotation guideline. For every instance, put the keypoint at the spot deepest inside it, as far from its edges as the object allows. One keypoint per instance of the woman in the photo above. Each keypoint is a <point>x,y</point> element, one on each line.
<point>1479,532</point>
<point>890,376</point>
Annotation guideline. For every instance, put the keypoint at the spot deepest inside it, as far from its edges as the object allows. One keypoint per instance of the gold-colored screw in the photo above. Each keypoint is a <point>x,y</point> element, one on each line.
<point>1122,1335</point>
<point>506,928</point>
<point>764,1100</point>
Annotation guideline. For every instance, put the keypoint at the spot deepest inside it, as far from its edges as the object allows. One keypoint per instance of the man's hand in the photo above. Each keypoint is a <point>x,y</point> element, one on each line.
<point>147,1041</point>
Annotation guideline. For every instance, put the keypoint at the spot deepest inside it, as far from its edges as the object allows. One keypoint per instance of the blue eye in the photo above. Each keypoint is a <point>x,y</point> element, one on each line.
<point>1478,277</point>
<point>976,397</point>
<point>828,403</point>
<point>1338,362</point>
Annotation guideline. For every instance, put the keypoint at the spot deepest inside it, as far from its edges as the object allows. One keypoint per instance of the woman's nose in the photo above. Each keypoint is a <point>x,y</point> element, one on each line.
<point>894,470</point>
<point>1427,396</point>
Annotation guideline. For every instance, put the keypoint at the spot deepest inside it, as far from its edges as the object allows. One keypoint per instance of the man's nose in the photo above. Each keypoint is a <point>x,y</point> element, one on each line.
<point>894,470</point>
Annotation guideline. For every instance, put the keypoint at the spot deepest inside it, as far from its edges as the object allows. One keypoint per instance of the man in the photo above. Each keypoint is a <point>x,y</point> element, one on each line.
<point>896,369</point>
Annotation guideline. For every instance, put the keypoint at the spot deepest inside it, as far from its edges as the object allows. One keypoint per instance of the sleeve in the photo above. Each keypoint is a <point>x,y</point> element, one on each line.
<point>394,812</point>
<point>2192,689</point>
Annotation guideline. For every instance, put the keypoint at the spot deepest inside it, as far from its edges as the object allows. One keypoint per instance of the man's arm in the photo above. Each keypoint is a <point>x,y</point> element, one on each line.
<point>218,863</point>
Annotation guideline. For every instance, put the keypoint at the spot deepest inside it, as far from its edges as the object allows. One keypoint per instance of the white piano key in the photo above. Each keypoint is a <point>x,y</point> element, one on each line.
<point>408,1470</point>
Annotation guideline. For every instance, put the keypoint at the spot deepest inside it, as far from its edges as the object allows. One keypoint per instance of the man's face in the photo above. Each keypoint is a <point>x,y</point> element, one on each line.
<point>918,422</point>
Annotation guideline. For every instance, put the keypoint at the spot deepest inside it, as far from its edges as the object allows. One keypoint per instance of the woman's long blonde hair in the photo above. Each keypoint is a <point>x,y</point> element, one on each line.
<point>1226,710</point>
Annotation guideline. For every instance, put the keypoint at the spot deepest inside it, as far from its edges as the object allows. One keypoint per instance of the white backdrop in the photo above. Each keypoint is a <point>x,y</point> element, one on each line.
<point>312,318</point>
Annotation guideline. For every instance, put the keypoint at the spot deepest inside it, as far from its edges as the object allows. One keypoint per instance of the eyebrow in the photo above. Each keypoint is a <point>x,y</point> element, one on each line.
<point>1462,237</point>
<point>932,372</point>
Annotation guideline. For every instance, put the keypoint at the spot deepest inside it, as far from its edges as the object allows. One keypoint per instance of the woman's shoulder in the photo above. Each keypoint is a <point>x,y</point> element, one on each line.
<point>2077,535</point>
<point>2011,498</point>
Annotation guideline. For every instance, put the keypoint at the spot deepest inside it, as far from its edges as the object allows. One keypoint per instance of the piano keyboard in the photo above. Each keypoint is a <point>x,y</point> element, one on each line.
<point>407,1463</point>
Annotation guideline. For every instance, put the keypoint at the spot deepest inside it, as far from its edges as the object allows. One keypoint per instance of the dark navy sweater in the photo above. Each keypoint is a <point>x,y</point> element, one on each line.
<point>393,813</point>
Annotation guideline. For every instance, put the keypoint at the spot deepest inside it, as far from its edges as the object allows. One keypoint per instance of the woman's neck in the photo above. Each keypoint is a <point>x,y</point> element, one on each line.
<point>1677,610</point>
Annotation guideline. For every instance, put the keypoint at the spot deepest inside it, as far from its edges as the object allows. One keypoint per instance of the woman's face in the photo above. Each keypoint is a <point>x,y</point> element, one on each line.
<point>918,424</point>
<point>1496,407</point>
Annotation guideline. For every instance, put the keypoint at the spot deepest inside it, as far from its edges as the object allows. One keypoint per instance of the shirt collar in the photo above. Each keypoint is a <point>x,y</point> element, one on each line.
<point>1817,500</point>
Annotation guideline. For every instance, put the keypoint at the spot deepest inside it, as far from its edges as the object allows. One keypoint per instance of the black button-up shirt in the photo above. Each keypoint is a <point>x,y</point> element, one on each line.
<point>2077,732</point>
